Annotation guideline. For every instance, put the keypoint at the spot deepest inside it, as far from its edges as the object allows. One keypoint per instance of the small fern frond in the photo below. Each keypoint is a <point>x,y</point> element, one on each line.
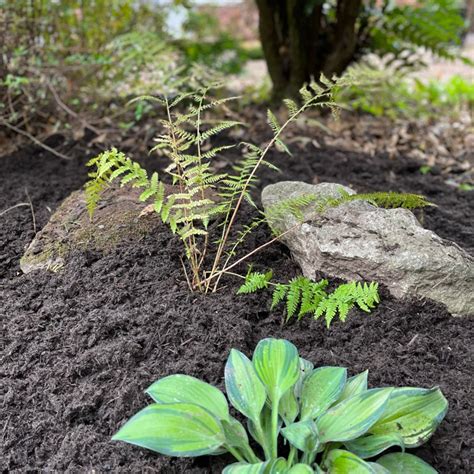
<point>273,122</point>
<point>110,165</point>
<point>293,296</point>
<point>218,129</point>
<point>279,294</point>
<point>291,106</point>
<point>303,296</point>
<point>93,190</point>
<point>392,200</point>
<point>255,281</point>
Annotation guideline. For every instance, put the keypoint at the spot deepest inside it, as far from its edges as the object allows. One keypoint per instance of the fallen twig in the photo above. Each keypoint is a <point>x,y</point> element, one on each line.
<point>21,204</point>
<point>35,140</point>
<point>70,111</point>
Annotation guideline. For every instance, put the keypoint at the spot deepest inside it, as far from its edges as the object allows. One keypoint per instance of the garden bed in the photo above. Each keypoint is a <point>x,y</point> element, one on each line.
<point>81,345</point>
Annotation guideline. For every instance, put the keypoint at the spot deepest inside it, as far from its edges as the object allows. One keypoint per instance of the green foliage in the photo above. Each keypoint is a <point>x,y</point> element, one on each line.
<point>200,194</point>
<point>303,296</point>
<point>308,206</point>
<point>206,43</point>
<point>387,200</point>
<point>343,299</point>
<point>382,90</point>
<point>255,281</point>
<point>331,423</point>
<point>435,25</point>
<point>71,64</point>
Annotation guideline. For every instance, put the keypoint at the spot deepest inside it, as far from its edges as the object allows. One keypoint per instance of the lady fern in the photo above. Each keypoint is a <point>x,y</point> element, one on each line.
<point>200,194</point>
<point>303,296</point>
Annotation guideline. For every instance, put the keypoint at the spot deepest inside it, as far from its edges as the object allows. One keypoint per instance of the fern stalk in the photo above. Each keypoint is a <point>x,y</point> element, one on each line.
<point>189,242</point>
<point>228,227</point>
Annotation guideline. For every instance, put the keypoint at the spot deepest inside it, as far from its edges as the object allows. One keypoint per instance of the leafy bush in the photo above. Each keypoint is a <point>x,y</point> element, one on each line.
<point>434,25</point>
<point>59,60</point>
<point>72,61</point>
<point>303,296</point>
<point>319,419</point>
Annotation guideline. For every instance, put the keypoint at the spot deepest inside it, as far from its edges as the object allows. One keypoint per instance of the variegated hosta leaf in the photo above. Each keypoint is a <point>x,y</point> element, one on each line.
<point>413,413</point>
<point>265,422</point>
<point>353,417</point>
<point>378,469</point>
<point>245,468</point>
<point>320,390</point>
<point>274,466</point>
<point>235,433</point>
<point>354,385</point>
<point>244,389</point>
<point>302,435</point>
<point>396,463</point>
<point>306,367</point>
<point>179,429</point>
<point>186,389</point>
<point>343,462</point>
<point>371,445</point>
<point>300,469</point>
<point>277,364</point>
<point>288,407</point>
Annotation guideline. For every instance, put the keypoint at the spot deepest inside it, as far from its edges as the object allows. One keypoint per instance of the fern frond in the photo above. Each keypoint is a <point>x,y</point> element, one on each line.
<point>255,281</point>
<point>279,294</point>
<point>93,190</point>
<point>433,25</point>
<point>110,165</point>
<point>344,297</point>
<point>218,129</point>
<point>303,296</point>
<point>273,122</point>
<point>293,296</point>
<point>291,106</point>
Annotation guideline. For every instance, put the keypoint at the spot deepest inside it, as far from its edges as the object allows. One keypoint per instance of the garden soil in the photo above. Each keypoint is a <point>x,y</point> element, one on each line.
<point>80,346</point>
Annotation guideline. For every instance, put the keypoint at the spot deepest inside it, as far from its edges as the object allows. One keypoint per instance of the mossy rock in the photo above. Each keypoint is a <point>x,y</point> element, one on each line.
<point>120,217</point>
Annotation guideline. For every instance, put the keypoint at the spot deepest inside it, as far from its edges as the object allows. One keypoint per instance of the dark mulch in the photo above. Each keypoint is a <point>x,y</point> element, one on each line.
<point>80,346</point>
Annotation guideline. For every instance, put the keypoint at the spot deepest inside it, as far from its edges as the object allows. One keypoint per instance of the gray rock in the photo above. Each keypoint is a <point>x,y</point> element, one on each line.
<point>358,241</point>
<point>119,217</point>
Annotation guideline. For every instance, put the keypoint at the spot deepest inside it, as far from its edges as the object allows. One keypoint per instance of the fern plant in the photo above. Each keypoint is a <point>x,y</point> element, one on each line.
<point>435,25</point>
<point>200,194</point>
<point>302,296</point>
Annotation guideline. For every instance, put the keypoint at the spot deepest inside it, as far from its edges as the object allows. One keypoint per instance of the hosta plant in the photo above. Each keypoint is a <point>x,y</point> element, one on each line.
<point>299,419</point>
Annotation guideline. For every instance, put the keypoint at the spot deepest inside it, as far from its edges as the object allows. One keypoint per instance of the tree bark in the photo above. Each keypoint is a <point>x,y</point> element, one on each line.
<point>299,43</point>
<point>272,44</point>
<point>344,41</point>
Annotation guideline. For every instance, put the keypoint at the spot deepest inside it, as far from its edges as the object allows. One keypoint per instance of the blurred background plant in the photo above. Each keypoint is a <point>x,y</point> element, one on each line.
<point>397,93</point>
<point>70,66</point>
<point>74,64</point>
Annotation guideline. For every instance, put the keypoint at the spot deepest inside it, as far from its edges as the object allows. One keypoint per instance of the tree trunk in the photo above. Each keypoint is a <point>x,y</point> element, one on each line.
<point>299,43</point>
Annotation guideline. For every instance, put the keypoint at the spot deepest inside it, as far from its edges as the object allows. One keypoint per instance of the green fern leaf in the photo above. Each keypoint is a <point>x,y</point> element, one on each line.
<point>291,106</point>
<point>279,294</point>
<point>273,122</point>
<point>255,281</point>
